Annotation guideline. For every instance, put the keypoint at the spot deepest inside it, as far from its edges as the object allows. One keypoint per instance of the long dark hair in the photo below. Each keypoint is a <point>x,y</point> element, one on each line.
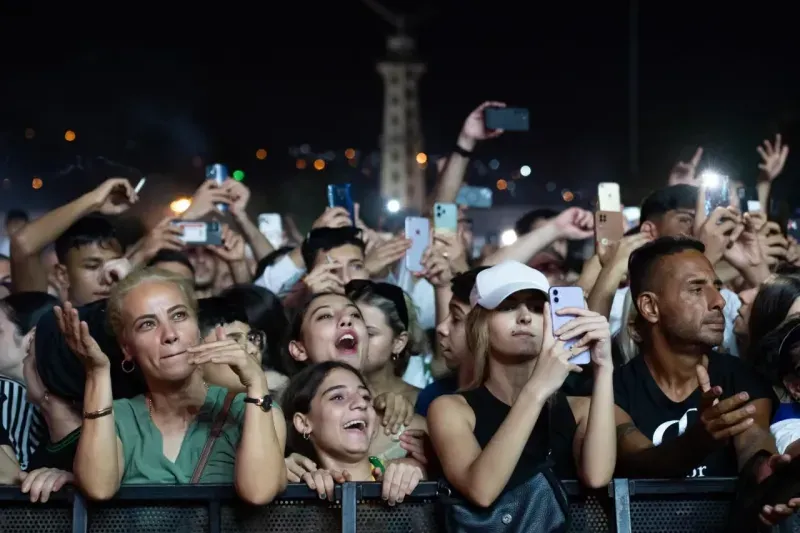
<point>297,398</point>
<point>772,303</point>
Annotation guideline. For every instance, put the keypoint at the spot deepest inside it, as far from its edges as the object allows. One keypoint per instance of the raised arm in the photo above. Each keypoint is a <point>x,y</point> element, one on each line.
<point>99,463</point>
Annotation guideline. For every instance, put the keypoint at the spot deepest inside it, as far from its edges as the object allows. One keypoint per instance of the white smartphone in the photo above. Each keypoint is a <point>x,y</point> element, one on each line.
<point>608,197</point>
<point>271,226</point>
<point>418,231</point>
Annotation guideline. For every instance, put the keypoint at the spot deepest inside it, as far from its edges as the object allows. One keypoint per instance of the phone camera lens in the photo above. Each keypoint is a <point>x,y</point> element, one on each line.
<point>555,292</point>
<point>555,300</point>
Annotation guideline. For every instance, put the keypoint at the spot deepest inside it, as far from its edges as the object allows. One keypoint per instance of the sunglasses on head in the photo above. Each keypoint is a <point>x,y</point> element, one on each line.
<point>357,288</point>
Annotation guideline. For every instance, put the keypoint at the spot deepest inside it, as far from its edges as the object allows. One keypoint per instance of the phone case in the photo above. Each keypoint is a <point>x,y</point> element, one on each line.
<point>560,298</point>
<point>341,196</point>
<point>201,233</point>
<point>418,230</point>
<point>445,217</point>
<point>608,197</point>
<point>218,173</point>
<point>609,227</point>
<point>506,118</point>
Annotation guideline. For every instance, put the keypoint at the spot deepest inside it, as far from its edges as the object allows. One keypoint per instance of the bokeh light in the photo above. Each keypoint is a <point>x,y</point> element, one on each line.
<point>525,170</point>
<point>349,153</point>
<point>508,237</point>
<point>300,164</point>
<point>319,164</point>
<point>238,175</point>
<point>30,133</point>
<point>567,195</point>
<point>180,205</point>
<point>69,136</point>
<point>261,154</point>
<point>502,185</point>
<point>422,158</point>
<point>36,183</point>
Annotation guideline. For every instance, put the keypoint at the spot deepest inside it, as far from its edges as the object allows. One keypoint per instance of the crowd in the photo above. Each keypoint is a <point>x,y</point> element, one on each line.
<point>330,359</point>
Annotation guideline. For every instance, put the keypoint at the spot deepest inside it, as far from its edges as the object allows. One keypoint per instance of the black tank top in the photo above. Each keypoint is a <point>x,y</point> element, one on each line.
<point>552,435</point>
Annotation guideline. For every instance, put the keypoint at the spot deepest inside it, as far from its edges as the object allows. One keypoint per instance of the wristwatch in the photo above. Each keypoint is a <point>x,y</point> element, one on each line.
<point>264,403</point>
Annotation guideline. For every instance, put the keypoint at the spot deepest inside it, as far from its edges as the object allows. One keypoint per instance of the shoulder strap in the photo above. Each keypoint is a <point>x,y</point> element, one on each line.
<point>216,429</point>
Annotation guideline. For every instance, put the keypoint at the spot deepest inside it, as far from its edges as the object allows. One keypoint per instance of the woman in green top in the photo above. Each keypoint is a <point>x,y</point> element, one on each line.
<point>160,437</point>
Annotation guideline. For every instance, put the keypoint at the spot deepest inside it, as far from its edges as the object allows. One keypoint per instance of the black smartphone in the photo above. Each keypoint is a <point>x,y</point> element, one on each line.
<point>506,118</point>
<point>748,200</point>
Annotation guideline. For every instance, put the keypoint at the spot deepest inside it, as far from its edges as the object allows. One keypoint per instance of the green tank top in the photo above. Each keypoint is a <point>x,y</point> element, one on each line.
<point>142,446</point>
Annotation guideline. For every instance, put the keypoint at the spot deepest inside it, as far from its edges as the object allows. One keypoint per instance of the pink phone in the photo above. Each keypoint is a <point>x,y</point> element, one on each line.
<point>560,298</point>
<point>418,231</point>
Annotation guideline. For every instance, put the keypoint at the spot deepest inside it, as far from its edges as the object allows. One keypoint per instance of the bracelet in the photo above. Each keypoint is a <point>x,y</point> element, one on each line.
<point>462,152</point>
<point>97,414</point>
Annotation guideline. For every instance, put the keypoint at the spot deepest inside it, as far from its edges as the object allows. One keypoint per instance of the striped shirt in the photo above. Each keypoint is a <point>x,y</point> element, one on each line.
<point>21,420</point>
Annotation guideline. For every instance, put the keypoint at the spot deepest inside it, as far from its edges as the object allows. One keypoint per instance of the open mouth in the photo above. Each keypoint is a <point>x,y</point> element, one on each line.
<point>347,342</point>
<point>356,426</point>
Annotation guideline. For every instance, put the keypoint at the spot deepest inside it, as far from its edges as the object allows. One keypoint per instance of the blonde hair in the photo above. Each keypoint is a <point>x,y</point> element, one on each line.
<point>139,277</point>
<point>478,344</point>
<point>628,338</point>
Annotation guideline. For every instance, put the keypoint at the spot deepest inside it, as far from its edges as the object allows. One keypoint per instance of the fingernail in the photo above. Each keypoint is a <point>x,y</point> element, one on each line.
<point>322,496</point>
<point>743,395</point>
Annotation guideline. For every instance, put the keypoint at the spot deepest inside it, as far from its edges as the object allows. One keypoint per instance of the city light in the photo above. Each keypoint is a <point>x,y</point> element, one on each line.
<point>502,185</point>
<point>508,237</point>
<point>36,183</point>
<point>69,136</point>
<point>238,175</point>
<point>567,195</point>
<point>180,205</point>
<point>393,206</point>
<point>422,158</point>
<point>525,171</point>
<point>261,154</point>
<point>300,164</point>
<point>349,153</point>
<point>319,164</point>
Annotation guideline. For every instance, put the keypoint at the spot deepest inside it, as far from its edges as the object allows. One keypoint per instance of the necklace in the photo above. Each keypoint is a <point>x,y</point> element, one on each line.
<point>150,401</point>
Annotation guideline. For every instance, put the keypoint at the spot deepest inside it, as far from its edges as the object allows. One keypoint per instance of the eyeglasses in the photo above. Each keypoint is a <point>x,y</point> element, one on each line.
<point>257,337</point>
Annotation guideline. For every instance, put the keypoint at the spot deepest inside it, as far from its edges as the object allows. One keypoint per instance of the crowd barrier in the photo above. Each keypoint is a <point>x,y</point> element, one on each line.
<point>647,506</point>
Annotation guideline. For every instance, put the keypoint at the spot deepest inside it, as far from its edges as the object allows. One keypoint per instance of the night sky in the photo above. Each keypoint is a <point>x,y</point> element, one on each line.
<point>147,101</point>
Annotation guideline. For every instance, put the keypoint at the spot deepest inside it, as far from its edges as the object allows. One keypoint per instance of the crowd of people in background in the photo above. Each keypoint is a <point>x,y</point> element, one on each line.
<point>330,360</point>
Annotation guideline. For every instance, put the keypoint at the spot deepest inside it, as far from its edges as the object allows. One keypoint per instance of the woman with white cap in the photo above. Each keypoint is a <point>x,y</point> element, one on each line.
<point>506,440</point>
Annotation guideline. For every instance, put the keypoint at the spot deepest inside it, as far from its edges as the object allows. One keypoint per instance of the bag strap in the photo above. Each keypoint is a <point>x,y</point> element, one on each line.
<point>216,430</point>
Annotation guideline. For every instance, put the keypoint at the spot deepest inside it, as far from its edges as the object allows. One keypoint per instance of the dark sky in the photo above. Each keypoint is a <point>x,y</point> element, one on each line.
<point>151,98</point>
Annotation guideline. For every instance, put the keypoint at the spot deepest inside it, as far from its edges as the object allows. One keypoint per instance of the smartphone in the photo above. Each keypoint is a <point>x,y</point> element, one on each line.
<point>271,226</point>
<point>716,189</point>
<point>218,173</point>
<point>793,228</point>
<point>560,298</point>
<point>748,200</point>
<point>445,217</point>
<point>609,227</point>
<point>608,197</point>
<point>341,196</point>
<point>418,231</point>
<point>506,118</point>
<point>200,233</point>
<point>469,196</point>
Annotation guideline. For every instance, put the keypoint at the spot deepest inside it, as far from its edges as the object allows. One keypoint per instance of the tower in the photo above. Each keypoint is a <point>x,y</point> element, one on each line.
<point>402,178</point>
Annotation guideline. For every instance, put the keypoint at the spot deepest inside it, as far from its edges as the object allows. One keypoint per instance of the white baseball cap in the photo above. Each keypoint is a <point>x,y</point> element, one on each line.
<point>497,283</point>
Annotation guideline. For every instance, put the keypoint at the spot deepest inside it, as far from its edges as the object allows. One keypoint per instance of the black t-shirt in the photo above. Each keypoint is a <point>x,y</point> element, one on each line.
<point>59,455</point>
<point>661,419</point>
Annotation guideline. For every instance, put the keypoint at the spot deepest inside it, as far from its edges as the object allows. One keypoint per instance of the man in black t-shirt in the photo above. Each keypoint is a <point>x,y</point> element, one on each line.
<point>683,409</point>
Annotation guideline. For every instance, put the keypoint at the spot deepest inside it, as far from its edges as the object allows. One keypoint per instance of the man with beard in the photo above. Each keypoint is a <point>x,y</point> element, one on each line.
<point>684,409</point>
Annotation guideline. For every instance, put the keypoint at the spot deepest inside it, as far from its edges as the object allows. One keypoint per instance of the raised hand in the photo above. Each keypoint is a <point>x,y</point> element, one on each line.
<point>719,420</point>
<point>205,200</point>
<point>744,250</point>
<point>773,159</point>
<point>592,330</point>
<point>333,217</point>
<point>435,267</point>
<point>386,254</point>
<point>115,270</point>
<point>114,196</point>
<point>227,351</point>
<point>232,249</point>
<point>619,252</point>
<point>323,278</point>
<point>686,171</point>
<point>552,365</point>
<point>78,339</point>
<point>475,129</point>
<point>574,223</point>
<point>239,195</point>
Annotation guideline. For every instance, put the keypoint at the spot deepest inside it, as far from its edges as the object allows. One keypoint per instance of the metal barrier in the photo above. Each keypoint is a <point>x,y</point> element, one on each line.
<point>627,506</point>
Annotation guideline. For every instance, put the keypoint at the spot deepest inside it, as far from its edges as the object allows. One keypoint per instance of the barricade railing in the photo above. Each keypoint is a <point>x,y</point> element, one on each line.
<point>626,506</point>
